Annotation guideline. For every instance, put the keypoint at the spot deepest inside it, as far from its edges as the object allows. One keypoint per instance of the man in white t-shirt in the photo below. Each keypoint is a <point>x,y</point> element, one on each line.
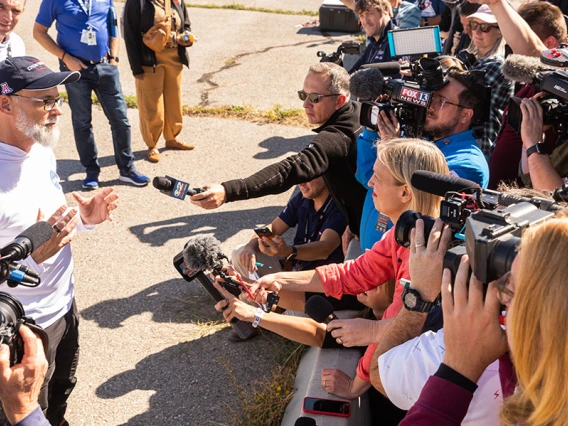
<point>11,43</point>
<point>30,190</point>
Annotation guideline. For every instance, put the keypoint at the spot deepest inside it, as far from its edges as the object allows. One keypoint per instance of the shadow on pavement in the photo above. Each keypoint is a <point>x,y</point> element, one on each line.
<point>197,371</point>
<point>220,224</point>
<point>276,146</point>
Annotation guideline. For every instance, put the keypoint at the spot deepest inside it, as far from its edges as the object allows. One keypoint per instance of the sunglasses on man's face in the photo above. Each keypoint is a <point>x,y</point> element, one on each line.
<point>313,97</point>
<point>484,28</point>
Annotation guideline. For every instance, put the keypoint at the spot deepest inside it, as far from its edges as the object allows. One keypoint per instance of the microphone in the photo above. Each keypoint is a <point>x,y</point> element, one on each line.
<point>319,309</point>
<point>202,253</point>
<point>367,84</point>
<point>305,421</point>
<point>25,243</point>
<point>174,188</point>
<point>437,184</point>
<point>522,69</point>
<point>387,68</point>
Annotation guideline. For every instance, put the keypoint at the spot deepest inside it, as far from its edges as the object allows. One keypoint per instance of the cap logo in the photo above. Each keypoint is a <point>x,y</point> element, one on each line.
<point>5,89</point>
<point>36,65</point>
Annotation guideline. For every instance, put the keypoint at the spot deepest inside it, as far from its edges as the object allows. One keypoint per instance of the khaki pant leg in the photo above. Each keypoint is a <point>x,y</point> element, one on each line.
<point>271,264</point>
<point>149,97</point>
<point>173,118</point>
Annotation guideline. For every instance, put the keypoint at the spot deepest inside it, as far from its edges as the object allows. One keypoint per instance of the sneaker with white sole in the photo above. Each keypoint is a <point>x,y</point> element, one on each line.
<point>135,178</point>
<point>91,182</point>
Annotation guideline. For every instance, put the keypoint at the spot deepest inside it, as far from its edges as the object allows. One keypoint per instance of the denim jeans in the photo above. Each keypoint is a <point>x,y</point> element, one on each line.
<point>104,80</point>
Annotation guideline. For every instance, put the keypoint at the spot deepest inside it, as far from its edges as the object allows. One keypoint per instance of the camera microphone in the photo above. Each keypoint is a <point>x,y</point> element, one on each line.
<point>319,309</point>
<point>522,69</point>
<point>28,241</point>
<point>387,68</point>
<point>174,188</point>
<point>367,84</point>
<point>438,184</point>
<point>202,253</point>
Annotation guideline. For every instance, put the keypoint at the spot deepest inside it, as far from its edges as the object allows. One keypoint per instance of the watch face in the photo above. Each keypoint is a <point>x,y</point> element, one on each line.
<point>410,300</point>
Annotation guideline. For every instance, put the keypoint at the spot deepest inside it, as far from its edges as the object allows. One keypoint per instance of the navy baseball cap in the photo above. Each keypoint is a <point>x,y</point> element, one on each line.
<point>29,73</point>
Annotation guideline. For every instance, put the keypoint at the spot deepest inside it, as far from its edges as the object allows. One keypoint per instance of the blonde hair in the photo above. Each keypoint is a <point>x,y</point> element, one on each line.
<point>338,77</point>
<point>538,320</point>
<point>405,156</point>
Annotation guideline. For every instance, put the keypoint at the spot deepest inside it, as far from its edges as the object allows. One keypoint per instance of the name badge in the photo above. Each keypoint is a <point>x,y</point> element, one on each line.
<point>89,37</point>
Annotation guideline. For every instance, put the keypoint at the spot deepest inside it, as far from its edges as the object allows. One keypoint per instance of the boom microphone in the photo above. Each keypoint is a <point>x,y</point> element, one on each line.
<point>523,69</point>
<point>319,309</point>
<point>25,243</point>
<point>437,184</point>
<point>174,188</point>
<point>367,84</point>
<point>202,253</point>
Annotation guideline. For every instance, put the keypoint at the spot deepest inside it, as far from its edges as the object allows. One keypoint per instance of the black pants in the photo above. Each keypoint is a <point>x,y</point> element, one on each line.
<point>62,357</point>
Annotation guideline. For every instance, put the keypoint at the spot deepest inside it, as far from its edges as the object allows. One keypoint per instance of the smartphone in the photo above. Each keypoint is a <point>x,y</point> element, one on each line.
<point>327,407</point>
<point>264,232</point>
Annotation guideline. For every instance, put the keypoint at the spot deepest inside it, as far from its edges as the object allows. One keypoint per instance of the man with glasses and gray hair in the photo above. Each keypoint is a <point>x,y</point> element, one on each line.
<point>331,154</point>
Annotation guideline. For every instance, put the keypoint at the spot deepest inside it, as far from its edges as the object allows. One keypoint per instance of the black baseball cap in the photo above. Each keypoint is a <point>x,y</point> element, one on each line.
<point>29,73</point>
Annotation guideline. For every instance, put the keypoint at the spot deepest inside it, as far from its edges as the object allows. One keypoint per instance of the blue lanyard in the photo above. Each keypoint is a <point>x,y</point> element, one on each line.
<point>83,4</point>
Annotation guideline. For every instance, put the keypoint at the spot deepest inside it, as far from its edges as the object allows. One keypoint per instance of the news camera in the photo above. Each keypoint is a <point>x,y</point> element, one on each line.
<point>485,224</point>
<point>345,48</point>
<point>408,99</point>
<point>555,84</point>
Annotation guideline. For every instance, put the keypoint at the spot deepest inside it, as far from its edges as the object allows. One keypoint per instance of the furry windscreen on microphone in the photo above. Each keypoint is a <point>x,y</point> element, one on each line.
<point>522,69</point>
<point>203,252</point>
<point>367,84</point>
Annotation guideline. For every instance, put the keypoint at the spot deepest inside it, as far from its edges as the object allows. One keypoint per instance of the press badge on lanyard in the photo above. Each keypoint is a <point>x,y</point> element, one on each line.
<point>88,36</point>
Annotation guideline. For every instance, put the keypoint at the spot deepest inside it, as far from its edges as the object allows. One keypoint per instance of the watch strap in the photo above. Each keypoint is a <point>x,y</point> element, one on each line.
<point>421,305</point>
<point>539,148</point>
<point>292,256</point>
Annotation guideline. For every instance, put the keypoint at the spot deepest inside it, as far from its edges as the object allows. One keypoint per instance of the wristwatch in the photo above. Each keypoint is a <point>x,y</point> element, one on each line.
<point>110,58</point>
<point>292,256</point>
<point>413,301</point>
<point>539,148</point>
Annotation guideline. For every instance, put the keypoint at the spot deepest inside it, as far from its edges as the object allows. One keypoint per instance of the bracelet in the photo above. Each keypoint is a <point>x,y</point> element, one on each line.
<point>63,56</point>
<point>257,317</point>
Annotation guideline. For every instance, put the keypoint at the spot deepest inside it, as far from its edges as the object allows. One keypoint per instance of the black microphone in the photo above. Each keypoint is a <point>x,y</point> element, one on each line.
<point>387,68</point>
<point>523,69</point>
<point>203,253</point>
<point>174,188</point>
<point>367,84</point>
<point>437,184</point>
<point>319,309</point>
<point>305,421</point>
<point>25,243</point>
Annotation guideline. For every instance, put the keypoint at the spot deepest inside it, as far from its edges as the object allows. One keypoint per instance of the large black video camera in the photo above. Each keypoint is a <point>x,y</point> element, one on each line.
<point>409,100</point>
<point>555,84</point>
<point>481,227</point>
<point>345,48</point>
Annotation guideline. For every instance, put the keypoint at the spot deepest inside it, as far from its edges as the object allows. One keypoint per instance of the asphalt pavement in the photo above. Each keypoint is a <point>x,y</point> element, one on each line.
<point>148,355</point>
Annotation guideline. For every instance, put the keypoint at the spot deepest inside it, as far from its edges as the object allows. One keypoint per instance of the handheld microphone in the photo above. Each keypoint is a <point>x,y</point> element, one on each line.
<point>387,68</point>
<point>438,184</point>
<point>25,243</point>
<point>367,84</point>
<point>175,188</point>
<point>203,253</point>
<point>319,309</point>
<point>523,69</point>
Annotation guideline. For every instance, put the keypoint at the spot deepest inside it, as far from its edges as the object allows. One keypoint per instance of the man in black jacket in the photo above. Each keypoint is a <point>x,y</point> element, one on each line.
<point>331,154</point>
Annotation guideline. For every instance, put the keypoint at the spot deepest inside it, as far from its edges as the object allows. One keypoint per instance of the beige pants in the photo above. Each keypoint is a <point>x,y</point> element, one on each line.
<point>159,98</point>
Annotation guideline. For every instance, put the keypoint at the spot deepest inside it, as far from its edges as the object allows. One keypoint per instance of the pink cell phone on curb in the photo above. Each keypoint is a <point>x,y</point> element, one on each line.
<point>327,407</point>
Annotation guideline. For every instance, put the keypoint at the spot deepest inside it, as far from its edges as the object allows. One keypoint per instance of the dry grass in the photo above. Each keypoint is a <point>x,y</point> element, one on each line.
<point>253,9</point>
<point>266,400</point>
<point>275,115</point>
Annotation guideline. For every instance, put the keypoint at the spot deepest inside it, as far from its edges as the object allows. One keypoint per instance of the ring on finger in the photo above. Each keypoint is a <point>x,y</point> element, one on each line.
<point>419,245</point>
<point>56,229</point>
<point>338,340</point>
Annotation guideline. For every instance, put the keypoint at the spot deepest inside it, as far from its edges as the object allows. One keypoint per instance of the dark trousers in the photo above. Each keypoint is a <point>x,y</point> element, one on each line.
<point>104,80</point>
<point>62,356</point>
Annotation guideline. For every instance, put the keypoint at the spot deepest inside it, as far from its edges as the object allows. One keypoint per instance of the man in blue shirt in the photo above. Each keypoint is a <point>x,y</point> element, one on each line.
<point>87,42</point>
<point>452,111</point>
<point>375,16</point>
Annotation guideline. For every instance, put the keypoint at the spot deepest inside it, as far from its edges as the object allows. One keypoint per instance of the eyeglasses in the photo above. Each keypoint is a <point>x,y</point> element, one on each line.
<point>505,293</point>
<point>484,28</point>
<point>313,97</point>
<point>48,104</point>
<point>438,103</point>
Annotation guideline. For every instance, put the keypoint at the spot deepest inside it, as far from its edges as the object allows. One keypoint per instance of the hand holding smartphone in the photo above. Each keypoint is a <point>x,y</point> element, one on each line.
<point>264,232</point>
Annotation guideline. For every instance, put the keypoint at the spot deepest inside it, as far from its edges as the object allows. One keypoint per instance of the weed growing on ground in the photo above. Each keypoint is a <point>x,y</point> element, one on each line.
<point>253,9</point>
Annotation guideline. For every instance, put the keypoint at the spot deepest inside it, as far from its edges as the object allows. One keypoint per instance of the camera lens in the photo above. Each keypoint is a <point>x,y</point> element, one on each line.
<point>502,256</point>
<point>406,222</point>
<point>11,312</point>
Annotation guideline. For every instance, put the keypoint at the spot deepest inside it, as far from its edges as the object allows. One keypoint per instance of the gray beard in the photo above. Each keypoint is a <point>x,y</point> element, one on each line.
<point>39,133</point>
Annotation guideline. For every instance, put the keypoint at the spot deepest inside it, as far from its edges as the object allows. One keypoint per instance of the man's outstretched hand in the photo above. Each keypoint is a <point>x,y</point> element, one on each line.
<point>212,198</point>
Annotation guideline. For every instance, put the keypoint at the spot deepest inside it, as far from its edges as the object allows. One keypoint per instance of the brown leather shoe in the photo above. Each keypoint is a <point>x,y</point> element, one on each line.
<point>153,155</point>
<point>179,145</point>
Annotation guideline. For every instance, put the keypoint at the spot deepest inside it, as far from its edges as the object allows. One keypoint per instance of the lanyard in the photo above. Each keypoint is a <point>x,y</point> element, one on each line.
<point>83,4</point>
<point>318,224</point>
